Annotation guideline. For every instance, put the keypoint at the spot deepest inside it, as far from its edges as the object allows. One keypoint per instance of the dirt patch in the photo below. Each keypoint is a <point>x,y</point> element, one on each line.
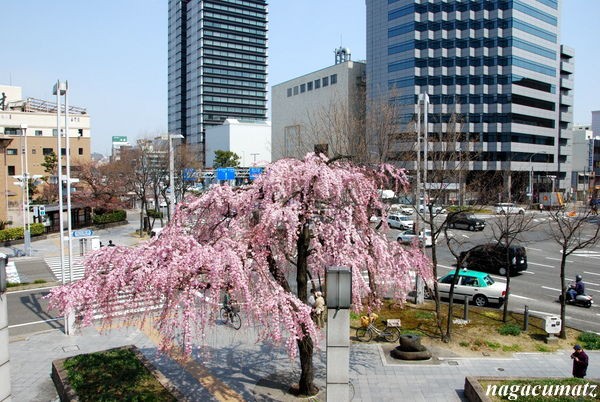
<point>479,336</point>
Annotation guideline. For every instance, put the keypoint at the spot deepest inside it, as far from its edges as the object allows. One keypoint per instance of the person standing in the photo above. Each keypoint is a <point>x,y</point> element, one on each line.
<point>580,362</point>
<point>319,309</point>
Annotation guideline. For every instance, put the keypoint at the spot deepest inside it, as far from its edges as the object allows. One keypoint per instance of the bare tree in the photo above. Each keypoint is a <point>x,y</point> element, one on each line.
<point>571,231</point>
<point>508,230</point>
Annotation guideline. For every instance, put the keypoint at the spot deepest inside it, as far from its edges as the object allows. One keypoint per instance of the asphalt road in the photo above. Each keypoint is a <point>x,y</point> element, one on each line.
<point>538,287</point>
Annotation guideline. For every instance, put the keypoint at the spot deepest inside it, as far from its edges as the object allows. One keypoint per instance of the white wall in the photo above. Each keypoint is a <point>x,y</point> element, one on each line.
<point>250,141</point>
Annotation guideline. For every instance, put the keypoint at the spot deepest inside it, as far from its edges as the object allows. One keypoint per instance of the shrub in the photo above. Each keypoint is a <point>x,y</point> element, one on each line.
<point>464,344</point>
<point>109,217</point>
<point>590,340</point>
<point>510,329</point>
<point>35,229</point>
<point>492,345</point>
<point>511,348</point>
<point>153,213</point>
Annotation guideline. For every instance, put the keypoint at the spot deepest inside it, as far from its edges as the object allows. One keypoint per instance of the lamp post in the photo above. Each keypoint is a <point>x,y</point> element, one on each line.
<point>170,137</point>
<point>25,187</point>
<point>60,89</point>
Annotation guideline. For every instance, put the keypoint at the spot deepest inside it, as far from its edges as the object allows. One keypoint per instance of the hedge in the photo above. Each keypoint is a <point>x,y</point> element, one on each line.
<point>35,229</point>
<point>109,217</point>
<point>153,213</point>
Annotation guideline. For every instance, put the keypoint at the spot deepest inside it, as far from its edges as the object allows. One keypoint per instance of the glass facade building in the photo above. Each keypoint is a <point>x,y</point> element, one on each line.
<point>497,66</point>
<point>217,64</point>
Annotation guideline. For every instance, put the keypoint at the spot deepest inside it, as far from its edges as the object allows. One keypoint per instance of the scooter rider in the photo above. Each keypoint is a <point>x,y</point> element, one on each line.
<point>576,289</point>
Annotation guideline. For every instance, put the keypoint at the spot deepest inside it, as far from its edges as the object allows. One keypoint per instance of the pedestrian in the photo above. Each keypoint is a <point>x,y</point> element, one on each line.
<point>319,309</point>
<point>580,362</point>
<point>111,244</point>
<point>311,302</point>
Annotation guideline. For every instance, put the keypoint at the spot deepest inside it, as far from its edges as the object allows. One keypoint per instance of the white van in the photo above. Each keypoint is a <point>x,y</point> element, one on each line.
<point>504,208</point>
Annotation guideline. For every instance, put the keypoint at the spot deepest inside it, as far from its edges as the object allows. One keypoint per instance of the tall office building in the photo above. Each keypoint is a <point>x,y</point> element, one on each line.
<point>496,66</point>
<point>217,64</point>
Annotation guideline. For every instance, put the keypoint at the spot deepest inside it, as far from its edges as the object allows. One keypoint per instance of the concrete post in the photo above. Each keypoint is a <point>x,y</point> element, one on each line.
<point>338,355</point>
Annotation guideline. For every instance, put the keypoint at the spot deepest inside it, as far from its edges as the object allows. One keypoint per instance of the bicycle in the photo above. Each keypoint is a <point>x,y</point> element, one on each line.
<point>231,315</point>
<point>391,331</point>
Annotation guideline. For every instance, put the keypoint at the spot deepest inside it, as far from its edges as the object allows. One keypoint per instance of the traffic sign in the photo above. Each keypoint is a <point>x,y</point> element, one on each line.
<point>42,210</point>
<point>83,233</point>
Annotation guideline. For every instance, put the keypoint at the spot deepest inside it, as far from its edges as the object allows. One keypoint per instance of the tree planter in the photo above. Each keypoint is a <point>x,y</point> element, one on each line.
<point>67,393</point>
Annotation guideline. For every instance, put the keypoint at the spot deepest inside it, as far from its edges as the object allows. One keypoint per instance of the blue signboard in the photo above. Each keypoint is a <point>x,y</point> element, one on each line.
<point>83,233</point>
<point>225,173</point>
<point>189,174</point>
<point>254,172</point>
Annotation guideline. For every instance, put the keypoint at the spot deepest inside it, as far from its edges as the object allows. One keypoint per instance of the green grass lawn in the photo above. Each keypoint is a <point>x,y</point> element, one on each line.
<point>112,375</point>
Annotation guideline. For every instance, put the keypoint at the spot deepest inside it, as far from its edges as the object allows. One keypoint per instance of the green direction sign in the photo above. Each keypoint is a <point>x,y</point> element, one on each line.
<point>119,138</point>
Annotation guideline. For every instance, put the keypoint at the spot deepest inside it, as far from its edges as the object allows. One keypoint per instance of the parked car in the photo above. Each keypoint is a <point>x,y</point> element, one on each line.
<point>479,287</point>
<point>402,209</point>
<point>491,257</point>
<point>437,209</point>
<point>465,220</point>
<point>505,208</point>
<point>408,236</point>
<point>400,222</point>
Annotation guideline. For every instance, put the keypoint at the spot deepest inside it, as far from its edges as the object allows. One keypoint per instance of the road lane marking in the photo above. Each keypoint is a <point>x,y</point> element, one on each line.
<point>34,322</point>
<point>541,265</point>
<point>558,259</point>
<point>591,283</point>
<point>591,273</point>
<point>534,249</point>
<point>445,266</point>
<point>593,290</point>
<point>553,289</point>
<point>527,272</point>
<point>520,297</point>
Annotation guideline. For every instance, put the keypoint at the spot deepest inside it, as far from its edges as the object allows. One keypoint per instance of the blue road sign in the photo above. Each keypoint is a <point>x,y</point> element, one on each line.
<point>83,233</point>
<point>225,173</point>
<point>254,172</point>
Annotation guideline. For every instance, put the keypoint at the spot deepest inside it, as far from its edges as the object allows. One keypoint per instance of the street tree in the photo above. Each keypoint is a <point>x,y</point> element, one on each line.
<point>261,243</point>
<point>225,159</point>
<point>509,230</point>
<point>100,187</point>
<point>572,231</point>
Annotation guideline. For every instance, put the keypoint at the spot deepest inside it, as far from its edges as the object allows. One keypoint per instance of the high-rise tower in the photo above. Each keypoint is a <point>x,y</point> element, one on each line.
<point>217,64</point>
<point>496,65</point>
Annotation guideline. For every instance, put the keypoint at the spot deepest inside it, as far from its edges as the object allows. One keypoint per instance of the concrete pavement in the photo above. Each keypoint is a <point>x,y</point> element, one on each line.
<point>232,366</point>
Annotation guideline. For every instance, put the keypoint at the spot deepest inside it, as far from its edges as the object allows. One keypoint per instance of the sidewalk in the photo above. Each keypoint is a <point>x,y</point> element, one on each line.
<point>231,366</point>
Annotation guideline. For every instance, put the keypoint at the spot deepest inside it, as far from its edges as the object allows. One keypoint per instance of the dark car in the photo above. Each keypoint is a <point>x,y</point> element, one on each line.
<point>491,258</point>
<point>465,220</point>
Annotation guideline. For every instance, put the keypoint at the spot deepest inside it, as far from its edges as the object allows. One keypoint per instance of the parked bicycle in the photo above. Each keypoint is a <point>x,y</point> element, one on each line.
<point>230,315</point>
<point>390,331</point>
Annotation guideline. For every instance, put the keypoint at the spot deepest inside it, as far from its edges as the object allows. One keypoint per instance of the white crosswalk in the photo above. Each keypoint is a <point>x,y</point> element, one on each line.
<point>54,264</point>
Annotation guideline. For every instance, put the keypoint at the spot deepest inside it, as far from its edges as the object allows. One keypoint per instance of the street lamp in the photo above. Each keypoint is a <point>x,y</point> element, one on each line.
<point>170,137</point>
<point>60,89</point>
<point>25,188</point>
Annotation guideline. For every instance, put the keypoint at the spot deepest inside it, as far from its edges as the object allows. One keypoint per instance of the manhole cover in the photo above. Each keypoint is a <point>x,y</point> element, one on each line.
<point>452,363</point>
<point>72,348</point>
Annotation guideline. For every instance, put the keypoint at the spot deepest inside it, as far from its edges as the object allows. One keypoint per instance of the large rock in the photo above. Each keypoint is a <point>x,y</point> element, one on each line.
<point>410,349</point>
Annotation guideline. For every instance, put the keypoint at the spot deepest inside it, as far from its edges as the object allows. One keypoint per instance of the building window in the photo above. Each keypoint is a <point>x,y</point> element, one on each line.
<point>38,132</point>
<point>11,170</point>
<point>11,131</point>
<point>289,92</point>
<point>33,151</point>
<point>296,90</point>
<point>309,86</point>
<point>317,84</point>
<point>302,88</point>
<point>80,151</point>
<point>333,79</point>
<point>54,132</point>
<point>11,151</point>
<point>47,151</point>
<point>63,151</point>
<point>325,81</point>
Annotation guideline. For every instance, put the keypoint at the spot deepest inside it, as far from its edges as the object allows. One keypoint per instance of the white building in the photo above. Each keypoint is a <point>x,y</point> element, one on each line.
<point>302,105</point>
<point>251,141</point>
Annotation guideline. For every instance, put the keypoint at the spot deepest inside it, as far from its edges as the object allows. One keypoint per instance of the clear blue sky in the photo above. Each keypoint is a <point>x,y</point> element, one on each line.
<point>114,53</point>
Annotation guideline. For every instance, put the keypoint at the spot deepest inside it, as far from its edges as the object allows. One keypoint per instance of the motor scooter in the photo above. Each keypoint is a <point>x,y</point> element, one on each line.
<point>583,300</point>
